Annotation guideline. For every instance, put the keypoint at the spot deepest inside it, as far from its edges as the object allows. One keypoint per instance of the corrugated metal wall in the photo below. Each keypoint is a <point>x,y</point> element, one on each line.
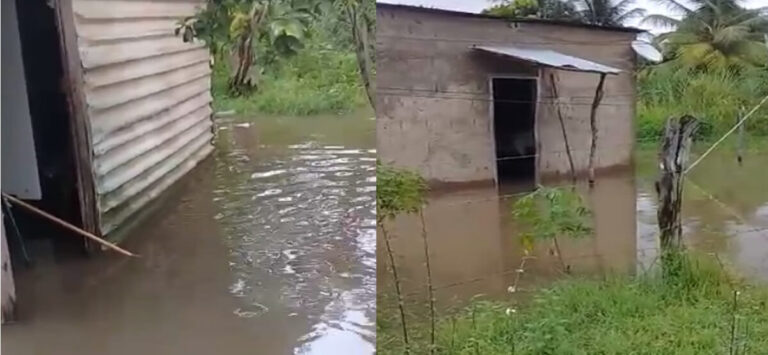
<point>148,100</point>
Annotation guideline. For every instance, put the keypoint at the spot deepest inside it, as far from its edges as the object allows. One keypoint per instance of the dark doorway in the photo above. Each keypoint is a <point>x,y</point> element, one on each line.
<point>48,108</point>
<point>514,117</point>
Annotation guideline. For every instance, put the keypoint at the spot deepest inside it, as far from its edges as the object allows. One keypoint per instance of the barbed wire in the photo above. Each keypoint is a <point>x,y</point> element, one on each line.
<point>486,99</point>
<point>445,91</point>
<point>553,42</point>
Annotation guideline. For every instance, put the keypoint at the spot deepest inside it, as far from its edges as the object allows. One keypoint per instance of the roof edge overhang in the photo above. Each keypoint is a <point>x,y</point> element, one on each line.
<point>548,58</point>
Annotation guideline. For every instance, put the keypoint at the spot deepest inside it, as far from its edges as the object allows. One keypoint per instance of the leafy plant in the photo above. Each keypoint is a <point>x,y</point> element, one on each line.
<point>398,191</point>
<point>551,212</point>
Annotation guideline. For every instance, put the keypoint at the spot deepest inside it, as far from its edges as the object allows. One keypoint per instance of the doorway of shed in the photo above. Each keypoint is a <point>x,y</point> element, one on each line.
<point>43,68</point>
<point>514,118</point>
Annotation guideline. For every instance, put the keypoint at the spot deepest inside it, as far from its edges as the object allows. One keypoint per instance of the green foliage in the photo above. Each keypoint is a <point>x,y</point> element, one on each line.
<point>318,79</point>
<point>715,97</point>
<point>597,12</point>
<point>690,314</point>
<point>398,191</point>
<point>551,212</point>
<point>515,9</point>
<point>713,34</point>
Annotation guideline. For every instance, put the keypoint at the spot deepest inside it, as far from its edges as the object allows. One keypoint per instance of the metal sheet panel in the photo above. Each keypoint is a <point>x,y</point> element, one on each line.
<point>549,58</point>
<point>19,159</point>
<point>148,100</point>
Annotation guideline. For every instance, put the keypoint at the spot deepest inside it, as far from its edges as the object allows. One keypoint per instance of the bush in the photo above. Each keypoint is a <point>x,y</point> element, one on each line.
<point>316,80</point>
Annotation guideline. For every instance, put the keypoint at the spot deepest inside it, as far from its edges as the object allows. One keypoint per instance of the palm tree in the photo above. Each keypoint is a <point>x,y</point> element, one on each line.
<point>608,12</point>
<point>713,34</point>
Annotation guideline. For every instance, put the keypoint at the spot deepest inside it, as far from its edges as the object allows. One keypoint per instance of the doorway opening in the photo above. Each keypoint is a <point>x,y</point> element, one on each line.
<point>514,119</point>
<point>54,147</point>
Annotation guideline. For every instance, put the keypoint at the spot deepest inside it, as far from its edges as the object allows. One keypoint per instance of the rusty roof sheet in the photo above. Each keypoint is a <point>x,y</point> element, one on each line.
<point>549,58</point>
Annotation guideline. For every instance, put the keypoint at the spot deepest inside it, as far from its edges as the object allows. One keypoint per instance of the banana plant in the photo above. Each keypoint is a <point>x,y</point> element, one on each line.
<point>246,30</point>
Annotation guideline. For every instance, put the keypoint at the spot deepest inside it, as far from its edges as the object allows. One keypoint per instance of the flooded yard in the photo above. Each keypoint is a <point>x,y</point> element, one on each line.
<point>476,250</point>
<point>268,247</point>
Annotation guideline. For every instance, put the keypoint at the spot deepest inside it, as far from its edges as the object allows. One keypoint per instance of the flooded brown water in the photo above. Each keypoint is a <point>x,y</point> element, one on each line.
<point>475,248</point>
<point>267,248</point>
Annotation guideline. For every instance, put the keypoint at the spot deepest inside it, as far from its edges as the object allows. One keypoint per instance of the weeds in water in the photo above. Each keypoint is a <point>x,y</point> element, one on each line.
<point>549,213</point>
<point>400,191</point>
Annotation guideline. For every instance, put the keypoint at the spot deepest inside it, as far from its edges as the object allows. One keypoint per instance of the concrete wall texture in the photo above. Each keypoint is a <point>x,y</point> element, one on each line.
<point>433,98</point>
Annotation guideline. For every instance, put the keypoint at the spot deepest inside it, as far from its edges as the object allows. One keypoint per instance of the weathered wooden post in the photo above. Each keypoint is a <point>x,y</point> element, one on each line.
<point>593,128</point>
<point>556,100</point>
<point>672,159</point>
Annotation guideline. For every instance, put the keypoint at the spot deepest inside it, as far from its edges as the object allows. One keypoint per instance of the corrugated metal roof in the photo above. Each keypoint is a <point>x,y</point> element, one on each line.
<point>550,58</point>
<point>148,98</point>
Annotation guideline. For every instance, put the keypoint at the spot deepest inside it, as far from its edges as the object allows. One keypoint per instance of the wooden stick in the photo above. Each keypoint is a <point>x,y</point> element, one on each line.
<point>67,225</point>
<point>562,127</point>
<point>593,128</point>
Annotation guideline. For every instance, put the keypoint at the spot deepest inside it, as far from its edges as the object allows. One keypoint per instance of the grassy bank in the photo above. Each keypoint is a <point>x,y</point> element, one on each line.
<point>691,313</point>
<point>716,98</point>
<point>314,81</point>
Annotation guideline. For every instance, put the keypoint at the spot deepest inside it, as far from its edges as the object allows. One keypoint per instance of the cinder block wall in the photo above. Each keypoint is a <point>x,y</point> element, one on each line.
<point>433,94</point>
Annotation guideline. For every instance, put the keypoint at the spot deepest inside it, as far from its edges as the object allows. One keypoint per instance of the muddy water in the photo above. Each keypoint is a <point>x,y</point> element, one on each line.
<point>475,248</point>
<point>267,248</point>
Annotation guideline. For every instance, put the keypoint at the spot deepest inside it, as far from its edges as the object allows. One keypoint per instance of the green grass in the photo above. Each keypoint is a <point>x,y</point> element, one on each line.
<point>715,98</point>
<point>688,314</point>
<point>314,81</point>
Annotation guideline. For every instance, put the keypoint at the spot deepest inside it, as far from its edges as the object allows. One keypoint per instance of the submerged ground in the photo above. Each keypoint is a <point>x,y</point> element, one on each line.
<point>476,255</point>
<point>266,248</point>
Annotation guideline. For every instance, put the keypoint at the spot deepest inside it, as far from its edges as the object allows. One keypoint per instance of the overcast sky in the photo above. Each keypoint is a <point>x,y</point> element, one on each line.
<point>478,5</point>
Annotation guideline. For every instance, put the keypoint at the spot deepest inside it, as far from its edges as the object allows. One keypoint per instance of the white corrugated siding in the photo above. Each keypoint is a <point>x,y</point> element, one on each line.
<point>148,98</point>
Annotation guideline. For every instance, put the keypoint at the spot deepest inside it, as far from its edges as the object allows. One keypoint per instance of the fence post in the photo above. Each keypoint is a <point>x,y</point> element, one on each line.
<point>669,187</point>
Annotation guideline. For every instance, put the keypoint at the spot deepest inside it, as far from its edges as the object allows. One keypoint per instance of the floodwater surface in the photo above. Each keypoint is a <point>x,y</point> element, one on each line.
<point>475,249</point>
<point>267,248</point>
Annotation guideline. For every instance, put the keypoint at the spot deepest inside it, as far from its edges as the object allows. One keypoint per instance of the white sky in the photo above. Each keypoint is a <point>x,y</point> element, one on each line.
<point>479,5</point>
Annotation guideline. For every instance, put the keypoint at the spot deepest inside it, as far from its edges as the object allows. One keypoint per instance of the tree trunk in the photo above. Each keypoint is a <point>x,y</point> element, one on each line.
<point>360,35</point>
<point>672,159</point>
<point>593,127</point>
<point>241,79</point>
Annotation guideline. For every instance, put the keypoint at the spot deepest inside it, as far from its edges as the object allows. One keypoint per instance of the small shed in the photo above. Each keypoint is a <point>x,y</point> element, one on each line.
<point>466,98</point>
<point>104,107</point>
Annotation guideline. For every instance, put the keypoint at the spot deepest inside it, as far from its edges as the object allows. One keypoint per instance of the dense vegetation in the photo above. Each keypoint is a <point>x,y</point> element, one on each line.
<point>697,312</point>
<point>717,98</point>
<point>288,56</point>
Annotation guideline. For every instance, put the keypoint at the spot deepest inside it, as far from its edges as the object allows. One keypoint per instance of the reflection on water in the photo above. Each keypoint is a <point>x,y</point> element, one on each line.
<point>267,248</point>
<point>476,249</point>
<point>298,220</point>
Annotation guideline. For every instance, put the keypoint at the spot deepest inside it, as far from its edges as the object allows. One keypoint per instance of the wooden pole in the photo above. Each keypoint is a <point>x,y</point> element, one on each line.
<point>556,99</point>
<point>593,127</point>
<point>740,144</point>
<point>67,225</point>
<point>669,187</point>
